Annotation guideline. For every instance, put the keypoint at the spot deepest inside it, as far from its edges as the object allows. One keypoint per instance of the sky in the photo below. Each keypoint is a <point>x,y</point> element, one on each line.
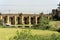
<point>28,6</point>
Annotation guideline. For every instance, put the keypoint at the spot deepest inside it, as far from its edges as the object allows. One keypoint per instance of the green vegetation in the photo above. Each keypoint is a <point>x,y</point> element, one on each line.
<point>46,24</point>
<point>1,24</point>
<point>41,31</point>
<point>43,23</point>
<point>26,35</point>
<point>54,25</point>
<point>6,33</point>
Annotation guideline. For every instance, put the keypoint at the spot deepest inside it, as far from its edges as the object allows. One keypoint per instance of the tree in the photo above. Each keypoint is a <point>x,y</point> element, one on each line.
<point>43,23</point>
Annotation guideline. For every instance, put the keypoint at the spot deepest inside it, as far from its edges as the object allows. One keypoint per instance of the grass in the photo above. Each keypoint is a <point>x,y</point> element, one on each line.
<point>55,23</point>
<point>6,33</point>
<point>24,25</point>
<point>1,26</point>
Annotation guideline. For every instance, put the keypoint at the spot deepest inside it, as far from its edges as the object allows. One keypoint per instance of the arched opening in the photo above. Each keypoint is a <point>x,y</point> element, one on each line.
<point>5,19</point>
<point>26,20</point>
<point>18,20</point>
<point>38,19</point>
<point>32,20</point>
<point>12,20</point>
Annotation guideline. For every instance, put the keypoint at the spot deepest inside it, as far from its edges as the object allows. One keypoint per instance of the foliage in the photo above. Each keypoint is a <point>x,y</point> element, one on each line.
<point>54,37</point>
<point>23,35</point>
<point>35,26</point>
<point>55,26</point>
<point>1,23</point>
<point>26,35</point>
<point>43,23</point>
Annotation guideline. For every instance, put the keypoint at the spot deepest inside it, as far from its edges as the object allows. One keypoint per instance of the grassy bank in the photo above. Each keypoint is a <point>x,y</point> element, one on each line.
<point>6,33</point>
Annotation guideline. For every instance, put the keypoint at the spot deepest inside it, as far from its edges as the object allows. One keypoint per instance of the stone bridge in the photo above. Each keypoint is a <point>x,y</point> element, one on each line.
<point>20,20</point>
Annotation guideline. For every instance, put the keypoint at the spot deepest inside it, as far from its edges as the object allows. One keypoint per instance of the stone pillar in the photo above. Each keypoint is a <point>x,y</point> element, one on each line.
<point>0,16</point>
<point>7,19</point>
<point>23,21</point>
<point>36,19</point>
<point>48,17</point>
<point>29,21</point>
<point>15,22</point>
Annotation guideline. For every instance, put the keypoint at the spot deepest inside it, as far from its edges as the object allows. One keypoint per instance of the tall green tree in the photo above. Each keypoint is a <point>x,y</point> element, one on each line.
<point>43,22</point>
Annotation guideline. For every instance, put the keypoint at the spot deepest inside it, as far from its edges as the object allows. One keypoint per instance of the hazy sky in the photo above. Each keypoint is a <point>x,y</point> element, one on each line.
<point>34,6</point>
